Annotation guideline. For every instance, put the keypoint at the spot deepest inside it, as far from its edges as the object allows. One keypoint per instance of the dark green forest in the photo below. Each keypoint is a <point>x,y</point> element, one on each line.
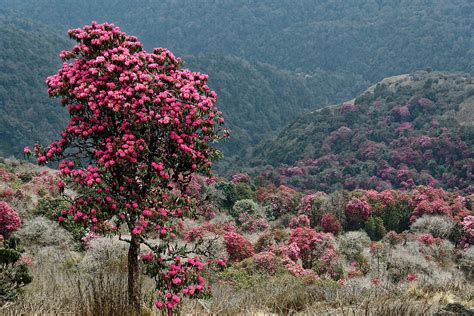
<point>373,38</point>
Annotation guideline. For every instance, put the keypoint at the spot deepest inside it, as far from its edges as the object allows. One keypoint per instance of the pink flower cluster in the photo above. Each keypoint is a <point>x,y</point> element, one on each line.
<point>251,224</point>
<point>330,224</point>
<point>181,279</point>
<point>238,248</point>
<point>358,210</point>
<point>10,220</point>
<point>299,221</point>
<point>468,229</point>
<point>428,239</point>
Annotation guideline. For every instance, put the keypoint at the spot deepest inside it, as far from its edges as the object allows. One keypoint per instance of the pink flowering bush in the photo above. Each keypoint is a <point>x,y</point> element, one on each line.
<point>357,212</point>
<point>468,231</point>
<point>266,261</point>
<point>312,245</point>
<point>282,201</point>
<point>427,239</point>
<point>330,224</point>
<point>200,231</point>
<point>426,200</point>
<point>240,178</point>
<point>10,220</point>
<point>180,278</point>
<point>299,221</point>
<point>140,125</point>
<point>238,248</point>
<point>252,224</point>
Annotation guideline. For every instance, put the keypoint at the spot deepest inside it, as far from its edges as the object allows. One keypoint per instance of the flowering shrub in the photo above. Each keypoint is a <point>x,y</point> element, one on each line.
<point>357,212</point>
<point>299,221</point>
<point>432,201</point>
<point>468,230</point>
<point>298,271</point>
<point>240,177</point>
<point>266,261</point>
<point>199,231</point>
<point>311,244</point>
<point>427,239</point>
<point>13,266</point>
<point>10,220</point>
<point>251,224</point>
<point>181,278</point>
<point>145,124</point>
<point>238,248</point>
<point>283,201</point>
<point>330,224</point>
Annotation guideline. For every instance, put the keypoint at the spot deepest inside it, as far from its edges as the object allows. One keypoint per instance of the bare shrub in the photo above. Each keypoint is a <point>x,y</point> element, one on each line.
<point>352,244</point>
<point>40,232</point>
<point>438,226</point>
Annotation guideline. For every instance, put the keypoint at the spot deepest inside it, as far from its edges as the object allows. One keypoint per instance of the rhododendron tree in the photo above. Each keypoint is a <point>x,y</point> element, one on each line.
<point>140,126</point>
<point>238,248</point>
<point>357,211</point>
<point>468,231</point>
<point>311,244</point>
<point>330,224</point>
<point>299,221</point>
<point>9,219</point>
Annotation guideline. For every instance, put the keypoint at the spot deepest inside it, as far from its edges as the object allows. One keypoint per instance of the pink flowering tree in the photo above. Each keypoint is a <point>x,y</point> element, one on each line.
<point>140,126</point>
<point>357,212</point>
<point>9,219</point>
<point>238,248</point>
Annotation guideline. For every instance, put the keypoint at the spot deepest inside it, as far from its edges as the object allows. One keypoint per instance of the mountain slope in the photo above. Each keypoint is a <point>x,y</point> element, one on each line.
<point>258,100</point>
<point>28,54</point>
<point>405,130</point>
<point>373,38</point>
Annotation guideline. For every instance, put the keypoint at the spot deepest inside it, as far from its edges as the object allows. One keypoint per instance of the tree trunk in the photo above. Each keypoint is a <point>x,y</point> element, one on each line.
<point>134,284</point>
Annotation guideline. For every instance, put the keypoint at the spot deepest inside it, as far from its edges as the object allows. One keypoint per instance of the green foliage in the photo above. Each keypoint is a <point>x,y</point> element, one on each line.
<point>374,227</point>
<point>372,38</point>
<point>13,273</point>
<point>26,113</point>
<point>242,206</point>
<point>396,216</point>
<point>234,192</point>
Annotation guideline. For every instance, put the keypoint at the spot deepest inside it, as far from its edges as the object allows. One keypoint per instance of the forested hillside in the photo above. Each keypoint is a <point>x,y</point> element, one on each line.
<point>258,99</point>
<point>374,38</point>
<point>404,131</point>
<point>28,54</point>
